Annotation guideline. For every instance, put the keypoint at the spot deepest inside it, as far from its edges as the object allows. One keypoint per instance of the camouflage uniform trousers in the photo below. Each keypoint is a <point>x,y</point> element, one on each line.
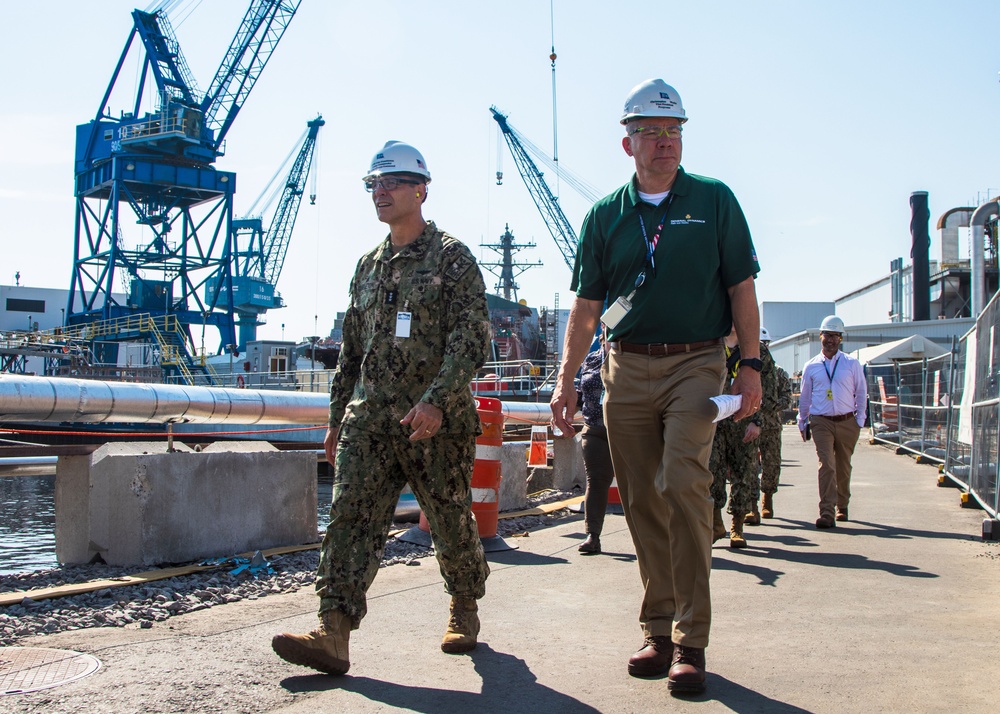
<point>738,462</point>
<point>769,443</point>
<point>371,470</point>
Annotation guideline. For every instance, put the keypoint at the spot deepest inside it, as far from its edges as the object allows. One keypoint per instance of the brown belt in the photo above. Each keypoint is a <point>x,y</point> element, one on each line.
<point>661,350</point>
<point>839,417</point>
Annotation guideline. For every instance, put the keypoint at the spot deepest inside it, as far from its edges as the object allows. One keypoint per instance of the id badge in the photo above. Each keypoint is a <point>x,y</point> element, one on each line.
<point>829,395</point>
<point>614,314</point>
<point>403,320</point>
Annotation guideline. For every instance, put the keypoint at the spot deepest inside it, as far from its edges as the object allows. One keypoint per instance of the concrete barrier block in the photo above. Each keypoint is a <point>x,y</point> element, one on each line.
<point>153,508</point>
<point>567,464</point>
<point>514,476</point>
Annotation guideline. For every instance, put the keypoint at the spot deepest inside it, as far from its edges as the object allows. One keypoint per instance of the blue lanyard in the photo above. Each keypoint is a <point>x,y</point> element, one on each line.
<point>830,375</point>
<point>651,244</point>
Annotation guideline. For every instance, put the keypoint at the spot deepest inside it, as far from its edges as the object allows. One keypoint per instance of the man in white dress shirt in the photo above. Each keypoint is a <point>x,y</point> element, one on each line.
<point>832,407</point>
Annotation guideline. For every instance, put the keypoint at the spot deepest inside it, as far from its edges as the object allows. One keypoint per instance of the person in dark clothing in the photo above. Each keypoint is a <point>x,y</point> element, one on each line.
<point>596,452</point>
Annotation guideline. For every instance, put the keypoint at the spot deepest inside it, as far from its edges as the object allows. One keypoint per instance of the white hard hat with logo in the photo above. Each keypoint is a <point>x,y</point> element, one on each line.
<point>832,323</point>
<point>398,157</point>
<point>765,336</point>
<point>653,98</point>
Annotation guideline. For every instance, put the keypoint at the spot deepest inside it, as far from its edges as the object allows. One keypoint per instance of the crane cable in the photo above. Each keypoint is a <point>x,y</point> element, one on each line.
<point>555,129</point>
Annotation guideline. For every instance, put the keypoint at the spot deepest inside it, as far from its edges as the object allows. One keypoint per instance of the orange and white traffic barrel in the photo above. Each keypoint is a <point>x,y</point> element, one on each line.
<point>486,477</point>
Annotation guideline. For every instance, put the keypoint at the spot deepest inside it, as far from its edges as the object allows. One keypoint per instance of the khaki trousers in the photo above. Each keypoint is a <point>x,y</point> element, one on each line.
<point>660,430</point>
<point>835,442</point>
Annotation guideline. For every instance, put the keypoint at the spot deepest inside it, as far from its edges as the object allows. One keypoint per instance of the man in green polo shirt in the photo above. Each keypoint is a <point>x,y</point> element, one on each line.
<point>667,265</point>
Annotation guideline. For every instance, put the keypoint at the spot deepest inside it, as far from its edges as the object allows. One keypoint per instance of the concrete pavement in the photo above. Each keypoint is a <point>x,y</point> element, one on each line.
<point>893,611</point>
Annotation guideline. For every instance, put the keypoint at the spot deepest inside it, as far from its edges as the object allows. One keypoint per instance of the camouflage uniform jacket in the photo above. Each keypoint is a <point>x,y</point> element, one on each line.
<point>769,416</point>
<point>380,376</point>
<point>770,406</point>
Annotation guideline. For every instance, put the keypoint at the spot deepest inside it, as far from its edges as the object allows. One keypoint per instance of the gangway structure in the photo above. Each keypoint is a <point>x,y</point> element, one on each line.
<point>259,254</point>
<point>156,169</point>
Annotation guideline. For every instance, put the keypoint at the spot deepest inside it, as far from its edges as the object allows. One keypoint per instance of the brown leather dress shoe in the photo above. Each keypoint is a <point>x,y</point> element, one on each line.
<point>591,546</point>
<point>687,670</point>
<point>653,659</point>
<point>825,522</point>
<point>841,515</point>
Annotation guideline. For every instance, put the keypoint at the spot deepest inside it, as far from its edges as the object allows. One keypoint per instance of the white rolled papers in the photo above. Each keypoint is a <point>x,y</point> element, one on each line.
<point>728,405</point>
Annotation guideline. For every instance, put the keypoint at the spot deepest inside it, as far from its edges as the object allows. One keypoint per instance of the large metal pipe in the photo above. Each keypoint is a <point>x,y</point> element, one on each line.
<point>949,223</point>
<point>59,399</point>
<point>977,228</point>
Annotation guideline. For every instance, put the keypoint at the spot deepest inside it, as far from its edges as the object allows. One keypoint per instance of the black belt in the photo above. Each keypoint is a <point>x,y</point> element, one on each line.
<point>661,350</point>
<point>839,417</point>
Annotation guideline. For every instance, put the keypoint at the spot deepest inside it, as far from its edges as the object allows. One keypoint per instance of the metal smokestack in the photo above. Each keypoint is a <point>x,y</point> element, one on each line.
<point>920,253</point>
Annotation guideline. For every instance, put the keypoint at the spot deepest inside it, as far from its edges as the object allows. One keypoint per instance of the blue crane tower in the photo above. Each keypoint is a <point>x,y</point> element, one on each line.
<point>259,254</point>
<point>546,201</point>
<point>156,169</point>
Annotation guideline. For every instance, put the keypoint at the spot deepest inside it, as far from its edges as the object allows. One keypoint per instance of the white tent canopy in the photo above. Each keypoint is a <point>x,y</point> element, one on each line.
<point>907,349</point>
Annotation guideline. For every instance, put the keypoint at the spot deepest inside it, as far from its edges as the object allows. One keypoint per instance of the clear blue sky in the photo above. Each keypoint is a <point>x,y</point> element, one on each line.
<point>822,117</point>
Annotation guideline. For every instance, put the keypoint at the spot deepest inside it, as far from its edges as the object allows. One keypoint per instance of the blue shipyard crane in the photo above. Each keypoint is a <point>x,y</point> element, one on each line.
<point>259,254</point>
<point>546,201</point>
<point>159,165</point>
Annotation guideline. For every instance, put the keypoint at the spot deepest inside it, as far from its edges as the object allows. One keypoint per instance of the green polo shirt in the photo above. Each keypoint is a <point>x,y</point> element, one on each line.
<point>704,249</point>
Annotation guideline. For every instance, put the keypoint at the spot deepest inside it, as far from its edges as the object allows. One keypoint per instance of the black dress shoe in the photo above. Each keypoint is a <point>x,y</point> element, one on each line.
<point>841,515</point>
<point>825,522</point>
<point>591,546</point>
<point>653,659</point>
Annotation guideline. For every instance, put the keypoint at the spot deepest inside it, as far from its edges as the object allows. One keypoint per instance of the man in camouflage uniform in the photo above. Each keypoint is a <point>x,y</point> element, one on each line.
<point>775,402</point>
<point>734,455</point>
<point>768,444</point>
<point>401,412</point>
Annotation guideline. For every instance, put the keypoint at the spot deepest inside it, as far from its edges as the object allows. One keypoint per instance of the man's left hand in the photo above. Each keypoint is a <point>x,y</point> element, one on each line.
<point>752,432</point>
<point>747,385</point>
<point>424,419</point>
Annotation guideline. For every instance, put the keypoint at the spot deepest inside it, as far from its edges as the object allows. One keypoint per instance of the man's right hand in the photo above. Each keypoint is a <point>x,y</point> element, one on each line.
<point>563,407</point>
<point>330,444</point>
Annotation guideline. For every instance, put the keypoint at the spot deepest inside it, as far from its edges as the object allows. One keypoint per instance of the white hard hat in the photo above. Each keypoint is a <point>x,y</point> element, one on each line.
<point>398,157</point>
<point>832,323</point>
<point>653,98</point>
<point>765,336</point>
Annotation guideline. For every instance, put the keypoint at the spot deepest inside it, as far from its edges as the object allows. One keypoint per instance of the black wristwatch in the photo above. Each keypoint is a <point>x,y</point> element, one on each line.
<point>752,363</point>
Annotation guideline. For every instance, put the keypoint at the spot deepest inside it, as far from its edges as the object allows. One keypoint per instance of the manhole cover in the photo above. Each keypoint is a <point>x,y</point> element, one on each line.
<point>28,669</point>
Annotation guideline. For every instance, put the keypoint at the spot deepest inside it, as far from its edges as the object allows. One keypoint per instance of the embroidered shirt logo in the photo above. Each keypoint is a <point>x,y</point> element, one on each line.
<point>686,220</point>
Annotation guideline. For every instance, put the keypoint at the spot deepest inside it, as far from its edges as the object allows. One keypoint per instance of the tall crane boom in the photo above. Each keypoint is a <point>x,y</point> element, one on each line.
<point>262,27</point>
<point>284,219</point>
<point>547,203</point>
<point>259,254</point>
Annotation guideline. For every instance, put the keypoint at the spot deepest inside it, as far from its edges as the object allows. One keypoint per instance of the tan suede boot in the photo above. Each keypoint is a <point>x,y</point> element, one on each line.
<point>718,526</point>
<point>752,518</point>
<point>323,649</point>
<point>736,539</point>
<point>463,625</point>
<point>767,510</point>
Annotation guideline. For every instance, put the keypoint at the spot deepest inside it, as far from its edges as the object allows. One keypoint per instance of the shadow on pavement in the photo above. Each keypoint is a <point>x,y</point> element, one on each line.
<point>508,686</point>
<point>824,559</point>
<point>741,699</point>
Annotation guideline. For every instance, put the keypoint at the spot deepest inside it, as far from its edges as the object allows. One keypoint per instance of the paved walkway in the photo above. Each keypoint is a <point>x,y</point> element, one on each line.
<point>894,611</point>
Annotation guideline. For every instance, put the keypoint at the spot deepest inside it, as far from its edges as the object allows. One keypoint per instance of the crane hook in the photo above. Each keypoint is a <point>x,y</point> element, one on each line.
<point>499,178</point>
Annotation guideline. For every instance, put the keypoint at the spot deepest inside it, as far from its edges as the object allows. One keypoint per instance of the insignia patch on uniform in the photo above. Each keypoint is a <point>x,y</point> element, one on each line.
<point>457,269</point>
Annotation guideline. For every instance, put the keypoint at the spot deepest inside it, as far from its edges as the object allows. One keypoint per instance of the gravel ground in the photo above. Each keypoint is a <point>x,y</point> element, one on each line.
<point>162,599</point>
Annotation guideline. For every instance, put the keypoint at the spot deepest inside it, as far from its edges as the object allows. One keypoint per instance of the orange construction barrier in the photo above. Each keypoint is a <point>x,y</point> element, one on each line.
<point>486,475</point>
<point>614,498</point>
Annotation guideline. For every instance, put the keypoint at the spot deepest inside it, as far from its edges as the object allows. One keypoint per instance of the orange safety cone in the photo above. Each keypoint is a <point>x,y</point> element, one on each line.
<point>486,477</point>
<point>614,498</point>
<point>614,501</point>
